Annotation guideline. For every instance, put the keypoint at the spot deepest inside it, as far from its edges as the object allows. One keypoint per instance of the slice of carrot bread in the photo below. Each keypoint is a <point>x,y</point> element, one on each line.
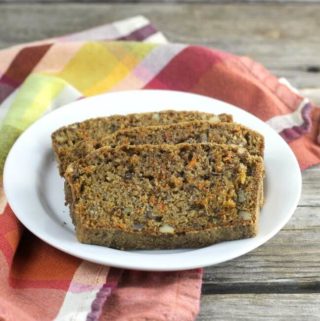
<point>165,196</point>
<point>66,139</point>
<point>188,132</point>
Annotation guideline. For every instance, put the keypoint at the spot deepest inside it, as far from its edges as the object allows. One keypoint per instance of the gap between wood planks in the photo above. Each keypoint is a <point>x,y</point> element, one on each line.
<point>261,287</point>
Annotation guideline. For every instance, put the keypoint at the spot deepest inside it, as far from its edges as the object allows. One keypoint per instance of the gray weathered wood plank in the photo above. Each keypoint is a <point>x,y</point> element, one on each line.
<point>289,262</point>
<point>282,37</point>
<point>266,307</point>
<point>164,1</point>
<point>310,190</point>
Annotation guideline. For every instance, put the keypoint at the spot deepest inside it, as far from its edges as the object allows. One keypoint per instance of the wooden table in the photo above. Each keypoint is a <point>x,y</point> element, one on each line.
<point>281,279</point>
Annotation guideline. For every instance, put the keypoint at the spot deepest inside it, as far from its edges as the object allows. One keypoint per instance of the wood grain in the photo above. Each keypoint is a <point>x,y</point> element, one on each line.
<point>310,193</point>
<point>163,1</point>
<point>265,307</point>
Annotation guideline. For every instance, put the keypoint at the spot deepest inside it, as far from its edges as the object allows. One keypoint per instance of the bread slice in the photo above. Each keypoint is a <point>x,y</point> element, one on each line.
<point>185,132</point>
<point>165,196</point>
<point>66,139</point>
<point>189,132</point>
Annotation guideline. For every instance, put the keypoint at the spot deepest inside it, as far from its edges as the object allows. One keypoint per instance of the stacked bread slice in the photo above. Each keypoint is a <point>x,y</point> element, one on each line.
<point>161,180</point>
<point>66,140</point>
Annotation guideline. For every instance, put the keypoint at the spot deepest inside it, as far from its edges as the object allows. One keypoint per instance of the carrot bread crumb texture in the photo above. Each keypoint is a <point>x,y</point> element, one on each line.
<point>66,139</point>
<point>165,196</point>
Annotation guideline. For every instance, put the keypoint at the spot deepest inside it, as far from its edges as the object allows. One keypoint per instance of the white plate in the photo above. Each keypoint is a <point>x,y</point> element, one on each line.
<point>34,188</point>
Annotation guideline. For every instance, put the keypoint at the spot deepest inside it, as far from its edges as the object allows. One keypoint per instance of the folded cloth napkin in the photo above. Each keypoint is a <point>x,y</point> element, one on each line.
<point>39,282</point>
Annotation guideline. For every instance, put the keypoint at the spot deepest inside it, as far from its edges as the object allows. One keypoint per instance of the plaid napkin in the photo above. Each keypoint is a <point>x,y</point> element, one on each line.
<point>39,282</point>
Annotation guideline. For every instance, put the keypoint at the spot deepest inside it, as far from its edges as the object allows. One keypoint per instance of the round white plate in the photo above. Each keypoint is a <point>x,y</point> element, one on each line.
<point>34,188</point>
